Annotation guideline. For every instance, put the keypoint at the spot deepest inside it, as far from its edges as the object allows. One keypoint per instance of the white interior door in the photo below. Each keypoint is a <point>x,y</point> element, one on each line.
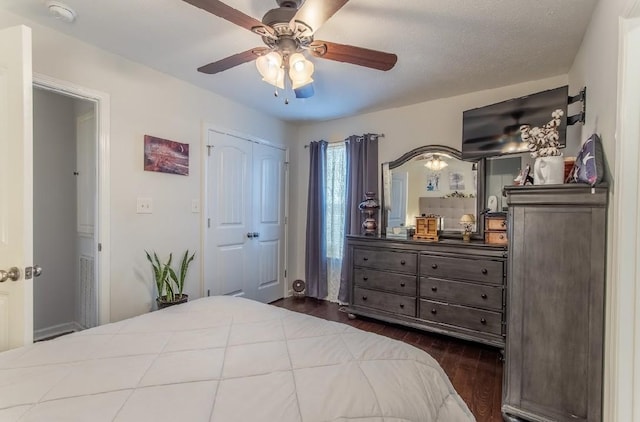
<point>268,217</point>
<point>244,253</point>
<point>227,262</point>
<point>398,212</point>
<point>16,187</point>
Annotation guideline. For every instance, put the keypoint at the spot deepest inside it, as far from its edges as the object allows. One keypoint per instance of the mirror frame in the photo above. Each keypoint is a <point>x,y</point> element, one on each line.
<point>478,234</point>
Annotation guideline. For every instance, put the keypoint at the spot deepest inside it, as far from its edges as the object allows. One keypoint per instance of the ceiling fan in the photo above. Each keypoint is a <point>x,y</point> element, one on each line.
<point>287,31</point>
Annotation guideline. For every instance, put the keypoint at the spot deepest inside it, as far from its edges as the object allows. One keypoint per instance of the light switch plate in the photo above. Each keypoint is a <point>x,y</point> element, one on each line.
<point>195,206</point>
<point>144,206</point>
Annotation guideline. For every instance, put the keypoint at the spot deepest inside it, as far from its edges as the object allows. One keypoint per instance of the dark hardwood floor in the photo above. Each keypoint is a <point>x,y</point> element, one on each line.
<point>474,369</point>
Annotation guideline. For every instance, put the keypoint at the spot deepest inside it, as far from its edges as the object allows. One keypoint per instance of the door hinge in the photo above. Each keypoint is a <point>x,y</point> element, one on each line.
<point>285,273</point>
<point>208,292</point>
<point>99,247</point>
<point>209,150</point>
<point>208,223</point>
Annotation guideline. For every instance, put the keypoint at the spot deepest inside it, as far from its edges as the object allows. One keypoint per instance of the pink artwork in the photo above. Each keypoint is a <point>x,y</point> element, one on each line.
<point>166,156</point>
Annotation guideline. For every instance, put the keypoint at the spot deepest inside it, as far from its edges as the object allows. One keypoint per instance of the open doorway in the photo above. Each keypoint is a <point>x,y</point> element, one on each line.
<point>65,203</point>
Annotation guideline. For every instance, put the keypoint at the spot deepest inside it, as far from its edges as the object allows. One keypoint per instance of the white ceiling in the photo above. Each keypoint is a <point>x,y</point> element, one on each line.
<point>444,47</point>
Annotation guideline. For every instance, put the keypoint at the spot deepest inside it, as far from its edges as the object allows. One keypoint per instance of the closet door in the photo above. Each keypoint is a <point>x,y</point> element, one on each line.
<point>244,246</point>
<point>268,216</point>
<point>228,249</point>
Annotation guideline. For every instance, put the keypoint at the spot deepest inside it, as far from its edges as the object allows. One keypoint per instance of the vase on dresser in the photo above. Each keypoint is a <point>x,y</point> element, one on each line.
<point>370,207</point>
<point>549,170</point>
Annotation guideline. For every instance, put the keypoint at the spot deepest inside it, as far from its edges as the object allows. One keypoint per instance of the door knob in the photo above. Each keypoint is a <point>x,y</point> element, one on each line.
<point>256,234</point>
<point>250,235</point>
<point>37,270</point>
<point>13,274</point>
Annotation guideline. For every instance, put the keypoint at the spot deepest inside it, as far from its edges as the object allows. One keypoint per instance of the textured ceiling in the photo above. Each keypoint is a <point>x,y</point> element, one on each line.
<point>444,47</point>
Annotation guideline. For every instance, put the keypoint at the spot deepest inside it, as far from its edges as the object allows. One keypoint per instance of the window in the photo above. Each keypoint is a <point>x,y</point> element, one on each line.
<point>335,195</point>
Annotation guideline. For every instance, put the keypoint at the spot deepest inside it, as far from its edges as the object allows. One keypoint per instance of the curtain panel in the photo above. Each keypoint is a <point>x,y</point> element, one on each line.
<point>316,242</point>
<point>362,176</point>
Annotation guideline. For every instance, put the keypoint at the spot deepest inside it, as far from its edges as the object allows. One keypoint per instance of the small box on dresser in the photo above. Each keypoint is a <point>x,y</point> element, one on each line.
<point>495,228</point>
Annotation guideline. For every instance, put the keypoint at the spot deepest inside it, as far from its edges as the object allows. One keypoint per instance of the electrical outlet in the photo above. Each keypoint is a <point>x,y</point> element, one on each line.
<point>195,206</point>
<point>144,206</point>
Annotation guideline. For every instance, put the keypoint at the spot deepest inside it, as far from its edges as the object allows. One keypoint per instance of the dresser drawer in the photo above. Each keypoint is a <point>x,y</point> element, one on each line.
<point>496,223</point>
<point>478,295</point>
<point>383,280</point>
<point>482,270</point>
<point>405,262</point>
<point>389,302</point>
<point>495,238</point>
<point>461,316</point>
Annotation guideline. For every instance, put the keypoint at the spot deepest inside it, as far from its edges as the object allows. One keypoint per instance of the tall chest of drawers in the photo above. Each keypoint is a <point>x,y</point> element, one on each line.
<point>450,287</point>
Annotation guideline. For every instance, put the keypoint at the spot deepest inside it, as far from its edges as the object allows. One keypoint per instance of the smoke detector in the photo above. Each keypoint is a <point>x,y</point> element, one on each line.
<point>61,11</point>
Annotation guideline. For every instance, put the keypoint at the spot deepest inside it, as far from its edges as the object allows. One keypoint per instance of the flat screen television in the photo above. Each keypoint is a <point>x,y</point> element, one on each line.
<point>495,129</point>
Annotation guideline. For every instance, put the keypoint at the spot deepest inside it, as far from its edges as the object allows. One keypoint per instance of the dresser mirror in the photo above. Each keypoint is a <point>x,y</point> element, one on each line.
<point>432,180</point>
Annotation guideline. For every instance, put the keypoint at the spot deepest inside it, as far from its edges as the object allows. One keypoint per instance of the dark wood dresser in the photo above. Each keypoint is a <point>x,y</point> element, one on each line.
<point>555,320</point>
<point>450,286</point>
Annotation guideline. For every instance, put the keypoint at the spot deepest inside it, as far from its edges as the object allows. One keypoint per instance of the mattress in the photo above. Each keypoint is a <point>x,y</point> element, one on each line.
<point>225,359</point>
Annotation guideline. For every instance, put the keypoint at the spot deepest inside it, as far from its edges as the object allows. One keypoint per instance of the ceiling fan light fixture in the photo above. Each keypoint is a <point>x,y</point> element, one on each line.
<point>269,65</point>
<point>435,164</point>
<point>300,70</point>
<point>276,80</point>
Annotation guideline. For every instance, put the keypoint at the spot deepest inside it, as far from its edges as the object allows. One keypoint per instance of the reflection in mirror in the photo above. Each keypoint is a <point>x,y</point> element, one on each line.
<point>432,180</point>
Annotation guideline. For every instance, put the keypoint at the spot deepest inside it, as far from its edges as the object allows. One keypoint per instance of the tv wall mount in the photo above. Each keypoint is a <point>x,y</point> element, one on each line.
<point>580,117</point>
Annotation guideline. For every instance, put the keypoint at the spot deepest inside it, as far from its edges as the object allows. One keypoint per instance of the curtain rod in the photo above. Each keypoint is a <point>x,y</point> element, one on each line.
<point>379,135</point>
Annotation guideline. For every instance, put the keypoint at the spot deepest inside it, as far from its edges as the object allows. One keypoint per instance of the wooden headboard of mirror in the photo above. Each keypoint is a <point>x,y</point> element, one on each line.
<point>433,179</point>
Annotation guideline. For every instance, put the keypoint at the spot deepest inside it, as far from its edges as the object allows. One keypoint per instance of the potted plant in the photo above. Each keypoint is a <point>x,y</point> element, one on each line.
<point>169,283</point>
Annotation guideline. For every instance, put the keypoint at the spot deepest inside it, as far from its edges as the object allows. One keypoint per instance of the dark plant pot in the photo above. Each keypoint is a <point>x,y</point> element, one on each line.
<point>164,303</point>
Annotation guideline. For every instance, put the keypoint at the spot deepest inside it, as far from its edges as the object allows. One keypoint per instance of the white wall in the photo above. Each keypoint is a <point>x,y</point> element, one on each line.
<point>144,101</point>
<point>54,213</point>
<point>433,122</point>
<point>596,67</point>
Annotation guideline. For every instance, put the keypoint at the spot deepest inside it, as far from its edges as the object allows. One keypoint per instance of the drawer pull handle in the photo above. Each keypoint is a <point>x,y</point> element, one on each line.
<point>364,298</point>
<point>501,236</point>
<point>483,321</point>
<point>434,289</point>
<point>365,278</point>
<point>402,305</point>
<point>504,223</point>
<point>434,266</point>
<point>402,284</point>
<point>483,295</point>
<point>365,259</point>
<point>484,271</point>
<point>433,311</point>
<point>402,262</point>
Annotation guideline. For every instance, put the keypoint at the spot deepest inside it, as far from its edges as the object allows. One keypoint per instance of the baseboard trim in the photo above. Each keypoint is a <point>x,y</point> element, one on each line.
<point>56,330</point>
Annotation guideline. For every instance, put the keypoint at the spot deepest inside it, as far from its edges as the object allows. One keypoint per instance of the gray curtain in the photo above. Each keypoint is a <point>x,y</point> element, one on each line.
<point>362,176</point>
<point>315,268</point>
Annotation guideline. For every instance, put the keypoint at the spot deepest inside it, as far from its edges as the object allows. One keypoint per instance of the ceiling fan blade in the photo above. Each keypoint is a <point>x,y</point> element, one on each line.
<point>220,9</point>
<point>355,55</point>
<point>232,61</point>
<point>316,12</point>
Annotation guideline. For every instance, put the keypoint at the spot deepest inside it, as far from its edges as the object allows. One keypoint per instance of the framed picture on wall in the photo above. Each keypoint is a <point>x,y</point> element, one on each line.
<point>456,180</point>
<point>433,182</point>
<point>165,156</point>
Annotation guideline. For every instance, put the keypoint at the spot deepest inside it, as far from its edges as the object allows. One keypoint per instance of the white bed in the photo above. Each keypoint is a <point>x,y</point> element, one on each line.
<point>225,359</point>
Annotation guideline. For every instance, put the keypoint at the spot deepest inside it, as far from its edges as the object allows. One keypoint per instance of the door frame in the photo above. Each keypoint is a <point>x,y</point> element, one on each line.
<point>102,241</point>
<point>204,153</point>
<point>622,371</point>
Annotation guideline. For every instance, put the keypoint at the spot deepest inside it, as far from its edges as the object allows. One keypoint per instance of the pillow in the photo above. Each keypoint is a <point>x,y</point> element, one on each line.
<point>589,165</point>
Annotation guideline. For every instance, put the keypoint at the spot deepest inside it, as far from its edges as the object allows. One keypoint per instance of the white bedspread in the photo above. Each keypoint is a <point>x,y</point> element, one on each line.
<point>225,359</point>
